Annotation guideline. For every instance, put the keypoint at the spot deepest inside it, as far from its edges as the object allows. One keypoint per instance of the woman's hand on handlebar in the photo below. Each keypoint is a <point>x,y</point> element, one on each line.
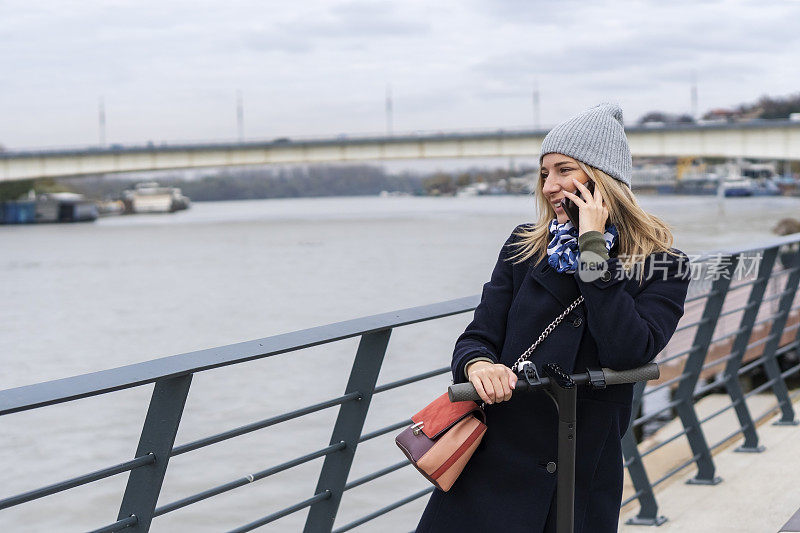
<point>493,382</point>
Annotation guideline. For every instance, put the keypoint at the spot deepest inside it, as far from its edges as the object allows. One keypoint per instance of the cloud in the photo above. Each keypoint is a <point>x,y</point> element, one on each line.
<point>318,66</point>
<point>342,25</point>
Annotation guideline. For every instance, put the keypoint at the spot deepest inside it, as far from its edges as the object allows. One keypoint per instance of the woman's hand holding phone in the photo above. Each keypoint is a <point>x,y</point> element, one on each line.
<point>593,214</point>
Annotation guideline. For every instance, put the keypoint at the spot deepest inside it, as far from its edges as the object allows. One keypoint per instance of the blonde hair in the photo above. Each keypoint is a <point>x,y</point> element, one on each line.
<point>640,233</point>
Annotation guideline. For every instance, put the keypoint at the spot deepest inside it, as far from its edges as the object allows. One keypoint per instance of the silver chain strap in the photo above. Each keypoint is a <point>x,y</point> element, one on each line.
<point>527,353</point>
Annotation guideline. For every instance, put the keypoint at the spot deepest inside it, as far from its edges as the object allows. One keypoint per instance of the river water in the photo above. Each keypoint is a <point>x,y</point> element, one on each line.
<point>84,297</point>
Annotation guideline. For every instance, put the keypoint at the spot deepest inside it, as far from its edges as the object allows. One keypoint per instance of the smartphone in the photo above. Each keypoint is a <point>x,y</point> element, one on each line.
<point>569,206</point>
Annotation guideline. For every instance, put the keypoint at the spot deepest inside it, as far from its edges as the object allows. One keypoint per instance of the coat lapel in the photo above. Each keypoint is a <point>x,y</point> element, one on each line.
<point>562,286</point>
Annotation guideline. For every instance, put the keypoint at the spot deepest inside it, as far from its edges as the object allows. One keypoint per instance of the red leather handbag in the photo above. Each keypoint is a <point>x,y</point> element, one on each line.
<point>442,438</point>
<point>445,434</point>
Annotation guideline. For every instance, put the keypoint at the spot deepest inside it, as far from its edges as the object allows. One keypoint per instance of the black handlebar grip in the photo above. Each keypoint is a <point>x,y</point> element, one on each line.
<point>463,392</point>
<point>643,373</point>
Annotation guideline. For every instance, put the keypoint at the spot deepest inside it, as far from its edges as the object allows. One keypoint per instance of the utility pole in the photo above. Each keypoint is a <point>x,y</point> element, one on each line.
<point>101,119</point>
<point>389,110</point>
<point>536,123</point>
<point>240,114</point>
<point>694,94</point>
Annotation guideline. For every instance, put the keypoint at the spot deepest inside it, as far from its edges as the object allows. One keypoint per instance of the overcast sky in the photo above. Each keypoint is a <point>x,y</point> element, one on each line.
<point>169,70</point>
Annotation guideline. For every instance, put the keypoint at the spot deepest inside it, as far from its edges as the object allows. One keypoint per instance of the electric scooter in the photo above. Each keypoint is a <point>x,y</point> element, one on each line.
<point>563,389</point>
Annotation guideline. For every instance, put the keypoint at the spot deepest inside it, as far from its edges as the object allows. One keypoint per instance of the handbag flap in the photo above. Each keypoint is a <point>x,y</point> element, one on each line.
<point>441,414</point>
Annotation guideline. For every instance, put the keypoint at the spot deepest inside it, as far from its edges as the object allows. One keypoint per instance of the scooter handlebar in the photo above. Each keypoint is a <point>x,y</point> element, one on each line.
<point>463,392</point>
<point>643,373</point>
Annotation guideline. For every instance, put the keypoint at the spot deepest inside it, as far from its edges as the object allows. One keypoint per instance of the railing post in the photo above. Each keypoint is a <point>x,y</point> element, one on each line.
<point>158,436</point>
<point>693,366</point>
<point>349,423</point>
<point>648,507</point>
<point>771,367</point>
<point>739,347</point>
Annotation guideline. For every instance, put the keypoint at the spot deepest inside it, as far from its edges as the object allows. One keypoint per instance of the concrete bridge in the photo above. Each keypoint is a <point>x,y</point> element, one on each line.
<point>759,139</point>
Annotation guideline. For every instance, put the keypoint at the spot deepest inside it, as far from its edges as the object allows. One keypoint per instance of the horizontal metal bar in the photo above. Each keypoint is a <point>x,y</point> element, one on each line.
<point>725,439</point>
<point>764,386</point>
<point>675,470</point>
<point>772,243</point>
<point>787,347</point>
<point>778,295</point>
<point>779,351</point>
<point>693,324</point>
<point>727,334</point>
<point>719,411</point>
<point>660,445</point>
<point>770,318</point>
<point>750,345</point>
<point>667,383</point>
<point>77,481</point>
<point>375,475</point>
<point>168,508</point>
<point>792,327</point>
<point>324,495</point>
<point>412,379</point>
<point>383,511</point>
<point>701,296</point>
<point>72,388</point>
<point>761,341</point>
<point>119,525</point>
<point>236,432</point>
<point>679,354</point>
<point>738,309</point>
<point>747,283</point>
<point>750,364</point>
<point>674,356</point>
<point>794,370</point>
<point>767,413</point>
<point>698,392</point>
<point>631,498</point>
<point>641,420</point>
<point>719,361</point>
<point>385,430</point>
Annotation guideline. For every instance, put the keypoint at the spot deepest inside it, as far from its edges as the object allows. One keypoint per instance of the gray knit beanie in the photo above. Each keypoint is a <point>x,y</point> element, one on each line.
<point>595,137</point>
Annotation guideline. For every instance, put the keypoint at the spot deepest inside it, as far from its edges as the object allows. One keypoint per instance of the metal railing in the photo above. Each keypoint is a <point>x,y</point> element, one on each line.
<point>701,360</point>
<point>172,377</point>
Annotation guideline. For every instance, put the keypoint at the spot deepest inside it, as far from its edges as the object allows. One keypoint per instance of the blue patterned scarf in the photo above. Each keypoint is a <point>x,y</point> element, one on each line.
<point>563,248</point>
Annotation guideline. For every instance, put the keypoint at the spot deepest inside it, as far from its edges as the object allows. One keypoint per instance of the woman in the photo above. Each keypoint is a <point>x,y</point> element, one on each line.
<point>634,287</point>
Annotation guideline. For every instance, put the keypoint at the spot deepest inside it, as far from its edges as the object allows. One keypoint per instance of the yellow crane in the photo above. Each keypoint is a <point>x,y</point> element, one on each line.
<point>688,165</point>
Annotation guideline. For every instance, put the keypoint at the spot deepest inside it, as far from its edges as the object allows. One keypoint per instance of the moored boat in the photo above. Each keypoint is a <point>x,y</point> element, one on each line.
<point>150,197</point>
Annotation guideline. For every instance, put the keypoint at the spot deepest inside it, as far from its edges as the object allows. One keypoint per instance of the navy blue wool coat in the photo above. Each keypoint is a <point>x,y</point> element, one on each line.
<point>621,325</point>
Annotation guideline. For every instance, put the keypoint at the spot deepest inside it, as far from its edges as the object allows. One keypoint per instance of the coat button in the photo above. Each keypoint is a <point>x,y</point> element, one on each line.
<point>551,467</point>
<point>577,322</point>
<point>606,276</point>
